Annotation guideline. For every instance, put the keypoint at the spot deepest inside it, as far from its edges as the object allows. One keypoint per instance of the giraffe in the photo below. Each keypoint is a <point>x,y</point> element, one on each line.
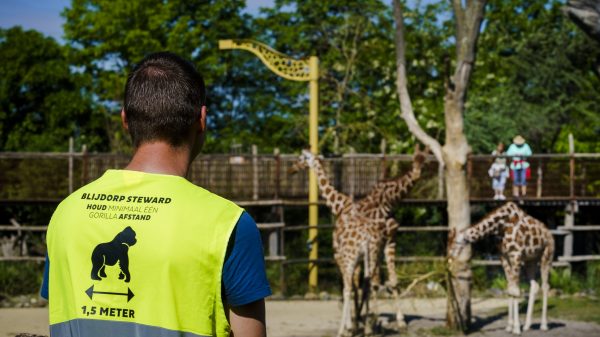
<point>362,228</point>
<point>525,242</point>
<point>379,202</point>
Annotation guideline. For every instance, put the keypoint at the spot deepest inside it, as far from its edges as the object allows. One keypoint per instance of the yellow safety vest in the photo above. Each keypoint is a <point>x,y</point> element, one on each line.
<point>137,254</point>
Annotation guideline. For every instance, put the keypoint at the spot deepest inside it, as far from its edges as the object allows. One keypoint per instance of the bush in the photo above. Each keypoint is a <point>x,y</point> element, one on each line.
<point>20,278</point>
<point>562,279</point>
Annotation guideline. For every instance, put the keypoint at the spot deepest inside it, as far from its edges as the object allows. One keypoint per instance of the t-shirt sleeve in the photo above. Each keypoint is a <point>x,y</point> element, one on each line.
<point>44,288</point>
<point>244,275</point>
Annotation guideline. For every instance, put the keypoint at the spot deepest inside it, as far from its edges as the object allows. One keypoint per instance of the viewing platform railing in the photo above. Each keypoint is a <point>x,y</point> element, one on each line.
<point>31,177</point>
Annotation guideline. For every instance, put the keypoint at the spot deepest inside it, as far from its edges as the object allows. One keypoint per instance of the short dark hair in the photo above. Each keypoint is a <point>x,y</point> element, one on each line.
<point>163,98</point>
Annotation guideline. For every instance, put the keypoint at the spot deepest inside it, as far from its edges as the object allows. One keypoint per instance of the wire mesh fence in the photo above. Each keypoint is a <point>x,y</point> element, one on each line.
<point>38,176</point>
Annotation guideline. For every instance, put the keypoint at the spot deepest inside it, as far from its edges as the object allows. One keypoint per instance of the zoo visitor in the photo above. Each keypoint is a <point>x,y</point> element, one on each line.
<point>519,150</point>
<point>144,252</point>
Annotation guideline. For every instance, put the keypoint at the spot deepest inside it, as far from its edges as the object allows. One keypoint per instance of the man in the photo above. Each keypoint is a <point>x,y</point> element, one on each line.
<point>144,252</point>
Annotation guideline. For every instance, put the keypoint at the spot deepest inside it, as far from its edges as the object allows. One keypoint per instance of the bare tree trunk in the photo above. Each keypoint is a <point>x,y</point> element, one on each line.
<point>458,309</point>
<point>586,15</point>
<point>453,155</point>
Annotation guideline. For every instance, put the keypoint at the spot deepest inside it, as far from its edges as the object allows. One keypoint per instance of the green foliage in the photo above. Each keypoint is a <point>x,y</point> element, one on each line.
<point>109,37</point>
<point>499,282</point>
<point>592,279</point>
<point>534,76</point>
<point>19,278</point>
<point>42,102</point>
<point>359,109</point>
<point>564,280</point>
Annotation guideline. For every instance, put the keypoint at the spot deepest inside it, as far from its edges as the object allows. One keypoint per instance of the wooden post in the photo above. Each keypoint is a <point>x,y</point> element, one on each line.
<point>254,173</point>
<point>382,175</point>
<point>440,188</point>
<point>538,192</point>
<point>84,164</point>
<point>571,167</point>
<point>282,283</point>
<point>71,152</point>
<point>570,211</point>
<point>277,172</point>
<point>572,206</point>
<point>351,174</point>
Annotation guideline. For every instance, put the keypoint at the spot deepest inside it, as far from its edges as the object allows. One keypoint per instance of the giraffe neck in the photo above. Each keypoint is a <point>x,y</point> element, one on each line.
<point>385,194</point>
<point>493,222</point>
<point>334,199</point>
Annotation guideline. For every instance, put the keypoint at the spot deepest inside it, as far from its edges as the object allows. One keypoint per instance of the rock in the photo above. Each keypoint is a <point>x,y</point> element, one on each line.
<point>311,296</point>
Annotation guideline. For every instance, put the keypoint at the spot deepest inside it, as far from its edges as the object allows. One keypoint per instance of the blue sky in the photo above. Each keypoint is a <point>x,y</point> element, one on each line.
<point>44,15</point>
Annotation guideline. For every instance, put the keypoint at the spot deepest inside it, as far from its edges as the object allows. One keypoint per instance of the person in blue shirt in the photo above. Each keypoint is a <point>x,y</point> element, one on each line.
<point>168,127</point>
<point>518,151</point>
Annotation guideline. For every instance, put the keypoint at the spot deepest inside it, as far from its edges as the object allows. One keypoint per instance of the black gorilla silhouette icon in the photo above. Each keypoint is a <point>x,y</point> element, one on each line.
<point>110,253</point>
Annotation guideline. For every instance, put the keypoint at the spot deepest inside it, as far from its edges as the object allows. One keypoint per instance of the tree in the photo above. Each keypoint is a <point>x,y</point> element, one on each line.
<point>453,154</point>
<point>352,41</point>
<point>111,36</point>
<point>42,103</point>
<point>536,78</point>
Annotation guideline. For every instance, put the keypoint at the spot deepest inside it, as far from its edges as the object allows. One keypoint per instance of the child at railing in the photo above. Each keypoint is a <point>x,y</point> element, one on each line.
<point>499,172</point>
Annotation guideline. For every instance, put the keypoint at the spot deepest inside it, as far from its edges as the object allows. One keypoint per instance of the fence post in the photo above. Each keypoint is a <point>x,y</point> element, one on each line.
<point>254,173</point>
<point>571,167</point>
<point>84,164</point>
<point>570,211</point>
<point>277,172</point>
<point>440,182</point>
<point>383,159</point>
<point>352,173</point>
<point>539,179</point>
<point>71,151</point>
<point>572,206</point>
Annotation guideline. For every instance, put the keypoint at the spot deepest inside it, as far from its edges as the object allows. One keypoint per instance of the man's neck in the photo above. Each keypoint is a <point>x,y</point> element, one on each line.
<point>160,158</point>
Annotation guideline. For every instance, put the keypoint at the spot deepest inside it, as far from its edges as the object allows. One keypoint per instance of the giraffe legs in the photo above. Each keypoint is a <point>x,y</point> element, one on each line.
<point>509,324</point>
<point>512,268</point>
<point>545,266</point>
<point>390,262</point>
<point>370,261</point>
<point>533,290</point>
<point>347,276</point>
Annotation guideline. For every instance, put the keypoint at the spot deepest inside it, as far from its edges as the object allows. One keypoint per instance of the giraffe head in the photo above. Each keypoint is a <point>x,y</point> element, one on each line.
<point>306,160</point>
<point>419,158</point>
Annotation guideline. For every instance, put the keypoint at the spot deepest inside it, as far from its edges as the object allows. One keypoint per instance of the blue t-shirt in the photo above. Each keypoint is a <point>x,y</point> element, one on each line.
<point>244,278</point>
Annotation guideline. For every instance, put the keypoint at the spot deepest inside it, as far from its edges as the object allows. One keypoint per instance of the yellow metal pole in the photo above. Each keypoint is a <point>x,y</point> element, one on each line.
<point>295,70</point>
<point>313,209</point>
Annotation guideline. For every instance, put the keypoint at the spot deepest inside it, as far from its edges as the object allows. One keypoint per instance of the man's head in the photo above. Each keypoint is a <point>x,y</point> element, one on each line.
<point>164,101</point>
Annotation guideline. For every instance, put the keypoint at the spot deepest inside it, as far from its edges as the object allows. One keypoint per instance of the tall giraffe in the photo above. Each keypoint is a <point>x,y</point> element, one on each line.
<point>362,228</point>
<point>525,242</point>
<point>353,236</point>
<point>379,202</point>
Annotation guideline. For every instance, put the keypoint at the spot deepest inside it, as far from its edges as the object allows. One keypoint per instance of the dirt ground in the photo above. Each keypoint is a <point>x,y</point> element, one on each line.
<point>320,319</point>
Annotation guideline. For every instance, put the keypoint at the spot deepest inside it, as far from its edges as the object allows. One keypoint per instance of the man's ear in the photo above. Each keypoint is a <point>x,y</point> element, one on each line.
<point>124,120</point>
<point>202,122</point>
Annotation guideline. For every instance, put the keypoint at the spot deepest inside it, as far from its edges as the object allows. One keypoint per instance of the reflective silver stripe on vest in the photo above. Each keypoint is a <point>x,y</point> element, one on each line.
<point>100,328</point>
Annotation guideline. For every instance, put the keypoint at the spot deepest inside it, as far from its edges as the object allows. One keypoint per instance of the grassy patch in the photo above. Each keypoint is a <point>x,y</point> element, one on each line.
<point>437,331</point>
<point>573,308</point>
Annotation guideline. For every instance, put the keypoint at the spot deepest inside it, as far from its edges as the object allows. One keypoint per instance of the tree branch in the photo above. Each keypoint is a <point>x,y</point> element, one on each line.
<point>407,112</point>
<point>586,15</point>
